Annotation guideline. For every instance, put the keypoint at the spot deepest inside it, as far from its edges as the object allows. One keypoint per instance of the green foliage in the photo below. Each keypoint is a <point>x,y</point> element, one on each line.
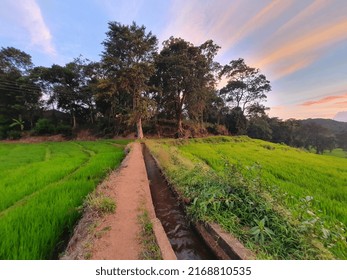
<point>128,60</point>
<point>186,75</point>
<point>42,186</point>
<point>14,135</point>
<point>44,127</point>
<point>63,129</point>
<point>281,202</point>
<point>3,131</point>
<point>336,153</point>
<point>18,122</point>
<point>245,86</point>
<point>260,232</point>
<point>150,248</point>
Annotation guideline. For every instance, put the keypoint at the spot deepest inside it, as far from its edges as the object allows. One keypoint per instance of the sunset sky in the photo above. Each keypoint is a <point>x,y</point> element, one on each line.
<point>300,45</point>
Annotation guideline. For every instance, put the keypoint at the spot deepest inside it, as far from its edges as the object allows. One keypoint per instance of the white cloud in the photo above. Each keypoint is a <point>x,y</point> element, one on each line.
<point>27,14</point>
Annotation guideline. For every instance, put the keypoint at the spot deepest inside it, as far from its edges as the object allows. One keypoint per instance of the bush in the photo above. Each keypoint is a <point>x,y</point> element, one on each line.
<point>44,127</point>
<point>217,129</point>
<point>14,135</point>
<point>64,129</point>
<point>3,131</point>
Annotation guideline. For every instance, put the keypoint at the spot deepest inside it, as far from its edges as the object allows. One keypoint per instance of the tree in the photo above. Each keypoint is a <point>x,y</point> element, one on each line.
<point>70,87</point>
<point>236,121</point>
<point>14,62</point>
<point>342,140</point>
<point>19,95</point>
<point>245,85</point>
<point>312,135</point>
<point>128,63</point>
<point>185,74</point>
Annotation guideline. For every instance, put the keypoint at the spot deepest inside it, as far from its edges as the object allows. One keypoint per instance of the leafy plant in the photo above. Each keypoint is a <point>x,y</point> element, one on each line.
<point>260,232</point>
<point>14,135</point>
<point>18,122</point>
<point>44,126</point>
<point>235,182</point>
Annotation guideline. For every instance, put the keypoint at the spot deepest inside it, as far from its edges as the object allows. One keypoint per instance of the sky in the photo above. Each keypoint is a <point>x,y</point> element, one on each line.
<point>300,45</point>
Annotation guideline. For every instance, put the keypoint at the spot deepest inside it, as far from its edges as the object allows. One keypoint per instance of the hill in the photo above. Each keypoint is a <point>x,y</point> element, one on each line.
<point>248,186</point>
<point>335,127</point>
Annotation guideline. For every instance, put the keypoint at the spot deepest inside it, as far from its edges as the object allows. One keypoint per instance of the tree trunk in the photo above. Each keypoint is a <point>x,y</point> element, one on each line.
<point>139,129</point>
<point>180,102</point>
<point>180,132</point>
<point>74,122</point>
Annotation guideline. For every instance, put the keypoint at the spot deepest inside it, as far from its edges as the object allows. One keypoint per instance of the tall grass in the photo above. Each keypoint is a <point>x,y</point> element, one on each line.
<point>250,186</point>
<point>39,198</point>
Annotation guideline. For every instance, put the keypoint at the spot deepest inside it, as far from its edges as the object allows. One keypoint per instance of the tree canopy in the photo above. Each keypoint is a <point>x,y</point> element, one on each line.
<point>128,63</point>
<point>171,92</point>
<point>245,86</point>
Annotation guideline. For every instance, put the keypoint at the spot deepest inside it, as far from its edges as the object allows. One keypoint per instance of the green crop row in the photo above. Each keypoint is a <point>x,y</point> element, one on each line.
<point>282,203</point>
<point>42,186</point>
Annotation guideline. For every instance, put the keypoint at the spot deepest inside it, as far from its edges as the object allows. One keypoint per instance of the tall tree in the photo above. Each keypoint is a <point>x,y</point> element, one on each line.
<point>19,95</point>
<point>245,85</point>
<point>128,63</point>
<point>70,87</point>
<point>185,74</point>
<point>342,140</point>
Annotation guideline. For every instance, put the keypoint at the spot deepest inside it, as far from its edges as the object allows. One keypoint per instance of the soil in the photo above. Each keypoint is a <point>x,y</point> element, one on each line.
<point>117,236</point>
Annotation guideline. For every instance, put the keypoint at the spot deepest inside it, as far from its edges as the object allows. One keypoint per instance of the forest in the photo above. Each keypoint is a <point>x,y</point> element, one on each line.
<point>138,88</point>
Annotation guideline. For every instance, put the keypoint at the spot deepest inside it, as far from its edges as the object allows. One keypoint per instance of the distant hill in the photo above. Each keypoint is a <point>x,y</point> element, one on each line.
<point>334,126</point>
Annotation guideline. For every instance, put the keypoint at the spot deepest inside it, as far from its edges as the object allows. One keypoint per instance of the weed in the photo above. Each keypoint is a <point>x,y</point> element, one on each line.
<point>260,232</point>
<point>238,181</point>
<point>100,203</point>
<point>150,248</point>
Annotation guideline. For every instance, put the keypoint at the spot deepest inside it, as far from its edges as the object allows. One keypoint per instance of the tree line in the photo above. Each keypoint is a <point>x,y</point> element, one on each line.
<point>137,87</point>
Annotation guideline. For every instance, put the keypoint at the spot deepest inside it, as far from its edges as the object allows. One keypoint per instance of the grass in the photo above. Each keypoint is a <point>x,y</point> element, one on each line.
<point>100,203</point>
<point>337,153</point>
<point>150,249</point>
<point>282,203</point>
<point>41,188</point>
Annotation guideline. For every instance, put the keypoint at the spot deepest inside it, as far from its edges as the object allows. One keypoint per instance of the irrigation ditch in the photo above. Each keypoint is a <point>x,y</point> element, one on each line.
<point>189,240</point>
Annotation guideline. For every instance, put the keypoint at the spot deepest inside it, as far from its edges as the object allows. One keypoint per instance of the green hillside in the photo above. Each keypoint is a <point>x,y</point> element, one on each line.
<point>250,185</point>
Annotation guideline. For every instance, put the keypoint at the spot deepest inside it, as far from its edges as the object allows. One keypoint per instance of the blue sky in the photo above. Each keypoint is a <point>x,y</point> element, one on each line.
<point>300,45</point>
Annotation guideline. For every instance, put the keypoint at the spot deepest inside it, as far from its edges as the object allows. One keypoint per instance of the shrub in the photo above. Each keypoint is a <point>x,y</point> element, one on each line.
<point>3,131</point>
<point>14,135</point>
<point>64,129</point>
<point>44,126</point>
<point>217,129</point>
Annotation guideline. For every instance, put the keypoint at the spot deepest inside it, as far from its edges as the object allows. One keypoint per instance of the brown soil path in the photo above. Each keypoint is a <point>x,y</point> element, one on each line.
<point>121,242</point>
<point>117,235</point>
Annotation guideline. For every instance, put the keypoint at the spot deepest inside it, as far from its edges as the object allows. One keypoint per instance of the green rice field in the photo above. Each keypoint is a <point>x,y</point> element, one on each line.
<point>41,188</point>
<point>281,202</point>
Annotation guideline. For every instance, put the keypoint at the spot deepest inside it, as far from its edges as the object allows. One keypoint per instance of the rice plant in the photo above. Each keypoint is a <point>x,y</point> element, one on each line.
<point>42,186</point>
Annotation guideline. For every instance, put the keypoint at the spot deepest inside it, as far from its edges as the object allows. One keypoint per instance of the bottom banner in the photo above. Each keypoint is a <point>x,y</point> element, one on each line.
<point>173,270</point>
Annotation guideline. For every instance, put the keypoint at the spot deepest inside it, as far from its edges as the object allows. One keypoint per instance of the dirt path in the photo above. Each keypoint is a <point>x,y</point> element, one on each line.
<point>121,242</point>
<point>117,236</point>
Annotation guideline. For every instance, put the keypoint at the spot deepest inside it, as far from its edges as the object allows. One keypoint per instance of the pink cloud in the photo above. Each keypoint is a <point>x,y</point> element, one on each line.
<point>324,100</point>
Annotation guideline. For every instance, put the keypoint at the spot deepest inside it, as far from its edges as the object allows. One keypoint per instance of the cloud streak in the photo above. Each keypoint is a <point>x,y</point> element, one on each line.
<point>269,13</point>
<point>324,100</point>
<point>311,10</point>
<point>306,48</point>
<point>36,26</point>
<point>29,17</point>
